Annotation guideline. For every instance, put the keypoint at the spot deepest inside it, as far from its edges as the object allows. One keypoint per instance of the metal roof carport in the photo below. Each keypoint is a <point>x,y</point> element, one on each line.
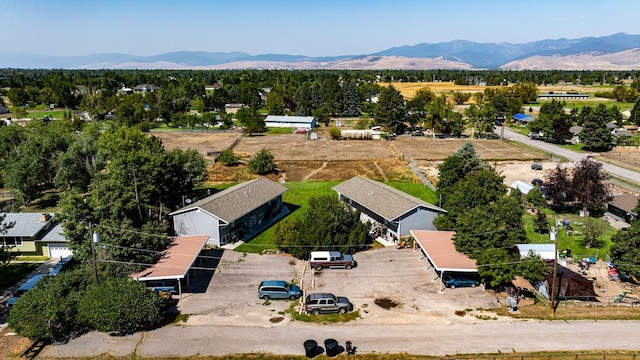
<point>441,253</point>
<point>175,261</point>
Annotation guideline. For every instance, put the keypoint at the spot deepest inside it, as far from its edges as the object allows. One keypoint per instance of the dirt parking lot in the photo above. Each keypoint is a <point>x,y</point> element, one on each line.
<point>386,273</point>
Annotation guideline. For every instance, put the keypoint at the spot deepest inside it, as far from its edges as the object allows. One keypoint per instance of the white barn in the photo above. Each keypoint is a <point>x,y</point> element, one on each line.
<point>304,122</point>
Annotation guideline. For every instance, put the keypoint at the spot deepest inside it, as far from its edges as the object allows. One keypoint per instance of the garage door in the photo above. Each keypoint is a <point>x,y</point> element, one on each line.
<point>59,251</point>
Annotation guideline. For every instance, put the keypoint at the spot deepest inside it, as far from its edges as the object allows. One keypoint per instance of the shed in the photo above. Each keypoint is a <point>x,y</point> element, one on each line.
<point>303,122</point>
<point>545,251</point>
<point>522,186</point>
<point>522,119</point>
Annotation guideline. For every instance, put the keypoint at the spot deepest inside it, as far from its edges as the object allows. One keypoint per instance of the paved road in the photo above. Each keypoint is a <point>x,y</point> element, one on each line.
<point>484,336</point>
<point>614,170</point>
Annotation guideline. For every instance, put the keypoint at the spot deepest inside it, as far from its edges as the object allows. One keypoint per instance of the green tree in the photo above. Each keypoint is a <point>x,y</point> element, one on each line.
<point>481,118</point>
<point>250,121</point>
<point>120,305</point>
<point>625,249</point>
<point>460,97</point>
<point>536,198</point>
<point>532,267</point>
<point>592,229</point>
<point>595,135</point>
<point>262,163</point>
<point>390,109</point>
<point>496,267</point>
<point>351,100</point>
<point>327,225</point>
<point>541,223</point>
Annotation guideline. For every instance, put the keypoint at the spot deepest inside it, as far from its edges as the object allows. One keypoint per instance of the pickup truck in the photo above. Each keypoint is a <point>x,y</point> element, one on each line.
<point>331,259</point>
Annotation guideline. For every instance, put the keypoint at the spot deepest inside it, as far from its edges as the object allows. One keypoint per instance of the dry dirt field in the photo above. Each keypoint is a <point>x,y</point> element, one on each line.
<point>324,159</point>
<point>408,90</point>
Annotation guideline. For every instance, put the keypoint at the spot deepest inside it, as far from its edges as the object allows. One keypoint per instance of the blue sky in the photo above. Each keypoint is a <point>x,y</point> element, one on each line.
<point>304,27</point>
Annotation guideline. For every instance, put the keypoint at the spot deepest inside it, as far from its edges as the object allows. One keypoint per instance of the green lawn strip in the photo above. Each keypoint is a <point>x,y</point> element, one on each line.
<point>298,195</point>
<point>56,114</point>
<point>574,242</point>
<point>279,130</point>
<point>13,272</point>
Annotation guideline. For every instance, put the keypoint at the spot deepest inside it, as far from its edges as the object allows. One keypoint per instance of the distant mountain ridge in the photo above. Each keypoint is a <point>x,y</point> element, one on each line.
<point>588,53</point>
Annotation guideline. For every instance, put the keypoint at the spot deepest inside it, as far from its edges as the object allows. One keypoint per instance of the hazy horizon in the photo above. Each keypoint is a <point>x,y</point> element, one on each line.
<point>310,28</point>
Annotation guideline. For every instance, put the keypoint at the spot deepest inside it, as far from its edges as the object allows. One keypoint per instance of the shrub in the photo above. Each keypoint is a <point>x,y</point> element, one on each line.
<point>227,157</point>
<point>49,310</point>
<point>335,132</point>
<point>262,163</point>
<point>120,305</point>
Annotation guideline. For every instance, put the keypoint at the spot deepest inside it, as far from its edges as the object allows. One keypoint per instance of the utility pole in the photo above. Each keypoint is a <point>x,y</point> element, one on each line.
<point>93,239</point>
<point>555,275</point>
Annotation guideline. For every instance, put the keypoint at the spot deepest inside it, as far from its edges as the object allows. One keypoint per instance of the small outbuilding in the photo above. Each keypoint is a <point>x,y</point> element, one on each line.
<point>522,186</point>
<point>545,251</point>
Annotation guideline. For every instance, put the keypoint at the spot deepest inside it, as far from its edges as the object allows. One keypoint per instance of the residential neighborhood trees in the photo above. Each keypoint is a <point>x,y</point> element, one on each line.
<point>327,225</point>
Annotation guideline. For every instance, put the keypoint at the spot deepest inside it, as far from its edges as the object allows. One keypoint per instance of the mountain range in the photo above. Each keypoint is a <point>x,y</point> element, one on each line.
<point>615,52</point>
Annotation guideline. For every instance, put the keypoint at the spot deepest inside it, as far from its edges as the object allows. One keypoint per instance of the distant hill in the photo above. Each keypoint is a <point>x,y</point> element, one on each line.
<point>614,52</point>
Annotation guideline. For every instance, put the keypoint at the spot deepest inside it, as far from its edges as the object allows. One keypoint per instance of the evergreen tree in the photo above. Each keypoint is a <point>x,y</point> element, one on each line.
<point>390,109</point>
<point>351,99</point>
<point>595,135</point>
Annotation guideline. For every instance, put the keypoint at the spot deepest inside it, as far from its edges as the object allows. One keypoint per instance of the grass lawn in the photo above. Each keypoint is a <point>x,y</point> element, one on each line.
<point>56,114</point>
<point>574,242</point>
<point>13,272</point>
<point>279,130</point>
<point>298,194</point>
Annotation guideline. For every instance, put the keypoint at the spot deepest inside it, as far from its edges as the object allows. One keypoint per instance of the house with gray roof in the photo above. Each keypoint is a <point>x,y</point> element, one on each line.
<point>237,213</point>
<point>391,212</point>
<point>34,234</point>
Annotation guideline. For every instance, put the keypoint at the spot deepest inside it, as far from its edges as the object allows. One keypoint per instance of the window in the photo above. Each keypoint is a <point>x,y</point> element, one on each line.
<point>11,241</point>
<point>260,218</point>
<point>225,239</point>
<point>252,221</point>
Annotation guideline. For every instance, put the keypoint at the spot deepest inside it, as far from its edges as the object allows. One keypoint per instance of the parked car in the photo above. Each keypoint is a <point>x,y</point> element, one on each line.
<point>461,282</point>
<point>331,259</point>
<point>278,289</point>
<point>325,303</point>
<point>23,290</point>
<point>418,133</point>
<point>536,166</point>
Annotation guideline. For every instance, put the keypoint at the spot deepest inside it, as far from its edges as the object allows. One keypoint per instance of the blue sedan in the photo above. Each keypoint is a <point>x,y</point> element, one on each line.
<point>461,282</point>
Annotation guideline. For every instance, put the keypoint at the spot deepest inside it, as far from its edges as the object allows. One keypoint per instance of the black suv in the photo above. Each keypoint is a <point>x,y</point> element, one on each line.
<point>324,303</point>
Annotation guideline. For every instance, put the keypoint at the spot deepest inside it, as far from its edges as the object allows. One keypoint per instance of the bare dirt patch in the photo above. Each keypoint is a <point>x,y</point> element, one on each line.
<point>204,142</point>
<point>298,158</point>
